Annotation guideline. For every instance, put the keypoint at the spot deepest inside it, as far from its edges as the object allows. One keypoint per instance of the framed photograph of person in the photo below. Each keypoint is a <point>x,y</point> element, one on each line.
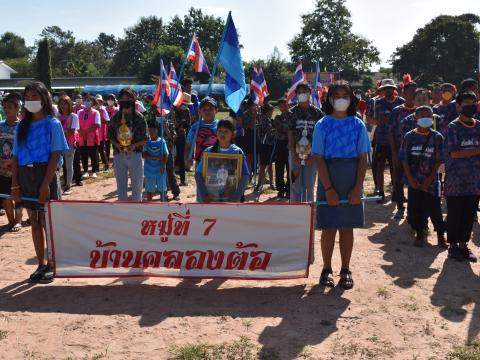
<point>221,174</point>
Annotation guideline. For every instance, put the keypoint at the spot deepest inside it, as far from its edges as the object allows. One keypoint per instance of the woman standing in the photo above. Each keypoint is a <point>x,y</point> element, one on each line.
<point>39,143</point>
<point>70,126</point>
<point>340,145</point>
<point>102,131</point>
<point>112,109</point>
<point>90,122</point>
<point>128,132</point>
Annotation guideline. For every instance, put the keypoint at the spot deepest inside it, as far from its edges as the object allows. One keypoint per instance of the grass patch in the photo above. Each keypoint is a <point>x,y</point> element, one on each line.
<point>469,352</point>
<point>383,293</point>
<point>3,334</point>
<point>409,307</point>
<point>242,349</point>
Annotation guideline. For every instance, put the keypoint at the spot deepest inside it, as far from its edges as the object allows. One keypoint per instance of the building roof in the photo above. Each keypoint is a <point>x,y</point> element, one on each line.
<point>2,63</point>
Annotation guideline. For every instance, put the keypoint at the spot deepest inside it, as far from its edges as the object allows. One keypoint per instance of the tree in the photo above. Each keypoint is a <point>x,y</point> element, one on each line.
<point>108,45</point>
<point>446,49</point>
<point>44,66</point>
<point>23,66</point>
<point>139,39</point>
<point>12,46</point>
<point>62,44</point>
<point>149,68</point>
<point>325,36</point>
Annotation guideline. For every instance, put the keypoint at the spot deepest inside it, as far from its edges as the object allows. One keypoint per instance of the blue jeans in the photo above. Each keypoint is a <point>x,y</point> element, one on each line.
<point>126,164</point>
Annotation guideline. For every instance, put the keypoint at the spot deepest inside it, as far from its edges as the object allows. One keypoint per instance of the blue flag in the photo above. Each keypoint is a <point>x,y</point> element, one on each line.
<point>230,58</point>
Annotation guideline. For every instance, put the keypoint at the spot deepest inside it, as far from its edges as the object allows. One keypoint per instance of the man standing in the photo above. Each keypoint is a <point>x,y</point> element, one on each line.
<point>379,114</point>
<point>280,124</point>
<point>302,119</point>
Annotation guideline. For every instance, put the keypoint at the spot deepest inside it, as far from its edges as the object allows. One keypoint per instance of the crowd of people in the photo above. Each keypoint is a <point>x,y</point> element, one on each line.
<point>430,138</point>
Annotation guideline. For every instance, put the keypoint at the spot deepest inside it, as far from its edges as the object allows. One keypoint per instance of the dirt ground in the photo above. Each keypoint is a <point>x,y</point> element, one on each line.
<point>407,303</point>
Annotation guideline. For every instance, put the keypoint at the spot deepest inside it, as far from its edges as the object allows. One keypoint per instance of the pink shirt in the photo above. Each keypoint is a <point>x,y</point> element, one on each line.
<point>104,119</point>
<point>70,122</point>
<point>88,118</point>
<point>77,108</point>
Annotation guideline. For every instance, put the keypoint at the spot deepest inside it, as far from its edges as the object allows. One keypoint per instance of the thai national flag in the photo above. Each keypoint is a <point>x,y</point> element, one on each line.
<point>195,54</point>
<point>162,94</point>
<point>298,78</point>
<point>258,86</point>
<point>176,96</point>
<point>317,88</point>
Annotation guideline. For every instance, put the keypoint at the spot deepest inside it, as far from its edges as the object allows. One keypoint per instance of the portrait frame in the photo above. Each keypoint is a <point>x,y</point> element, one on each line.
<point>221,174</point>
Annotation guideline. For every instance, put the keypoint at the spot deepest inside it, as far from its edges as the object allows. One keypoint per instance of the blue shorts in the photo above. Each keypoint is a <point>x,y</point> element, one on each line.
<point>156,184</point>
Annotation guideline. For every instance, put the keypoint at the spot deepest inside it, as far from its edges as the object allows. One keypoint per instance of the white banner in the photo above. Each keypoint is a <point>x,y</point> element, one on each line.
<point>248,241</point>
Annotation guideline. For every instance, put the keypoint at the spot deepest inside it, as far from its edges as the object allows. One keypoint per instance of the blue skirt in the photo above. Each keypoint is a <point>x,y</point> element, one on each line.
<point>343,175</point>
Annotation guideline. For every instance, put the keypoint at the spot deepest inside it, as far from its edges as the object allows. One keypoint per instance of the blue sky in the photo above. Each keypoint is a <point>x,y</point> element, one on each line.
<point>263,24</point>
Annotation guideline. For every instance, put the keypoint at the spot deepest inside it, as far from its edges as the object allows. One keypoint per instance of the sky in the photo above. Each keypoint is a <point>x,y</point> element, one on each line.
<point>263,24</point>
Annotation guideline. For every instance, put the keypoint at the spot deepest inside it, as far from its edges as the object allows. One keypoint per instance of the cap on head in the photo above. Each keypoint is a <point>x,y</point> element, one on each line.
<point>387,83</point>
<point>208,100</point>
<point>305,85</point>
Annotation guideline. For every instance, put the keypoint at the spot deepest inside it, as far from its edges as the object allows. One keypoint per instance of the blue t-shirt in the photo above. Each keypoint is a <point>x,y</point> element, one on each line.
<point>462,175</point>
<point>398,114</point>
<point>232,149</point>
<point>207,136</point>
<point>340,138</point>
<point>157,147</point>
<point>44,137</point>
<point>445,114</point>
<point>423,162</point>
<point>382,107</point>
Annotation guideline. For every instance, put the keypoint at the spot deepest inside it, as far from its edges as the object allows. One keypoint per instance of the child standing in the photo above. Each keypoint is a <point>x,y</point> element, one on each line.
<point>11,106</point>
<point>223,145</point>
<point>89,121</point>
<point>155,153</point>
<point>462,183</point>
<point>340,147</point>
<point>421,153</point>
<point>39,142</point>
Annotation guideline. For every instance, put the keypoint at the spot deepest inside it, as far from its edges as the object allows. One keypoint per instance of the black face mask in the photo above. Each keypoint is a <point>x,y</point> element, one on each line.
<point>469,110</point>
<point>126,104</point>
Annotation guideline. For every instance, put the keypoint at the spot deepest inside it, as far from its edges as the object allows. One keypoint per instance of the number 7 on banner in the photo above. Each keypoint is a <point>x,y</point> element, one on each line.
<point>209,227</point>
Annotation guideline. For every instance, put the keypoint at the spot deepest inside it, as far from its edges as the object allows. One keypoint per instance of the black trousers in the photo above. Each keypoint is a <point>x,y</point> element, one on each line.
<point>381,154</point>
<point>102,149</point>
<point>281,164</point>
<point>421,206</point>
<point>461,215</point>
<point>398,186</point>
<point>180,159</point>
<point>171,179</point>
<point>92,153</point>
<point>77,172</point>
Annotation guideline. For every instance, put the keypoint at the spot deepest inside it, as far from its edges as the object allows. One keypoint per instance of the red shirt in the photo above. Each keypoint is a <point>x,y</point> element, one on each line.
<point>362,107</point>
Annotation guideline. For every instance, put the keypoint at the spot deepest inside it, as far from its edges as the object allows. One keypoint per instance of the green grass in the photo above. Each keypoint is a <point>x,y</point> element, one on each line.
<point>3,334</point>
<point>242,349</point>
<point>468,352</point>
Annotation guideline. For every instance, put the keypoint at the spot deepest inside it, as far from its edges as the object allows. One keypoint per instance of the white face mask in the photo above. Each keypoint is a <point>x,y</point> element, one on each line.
<point>78,101</point>
<point>303,97</point>
<point>110,102</point>
<point>425,122</point>
<point>341,104</point>
<point>33,106</point>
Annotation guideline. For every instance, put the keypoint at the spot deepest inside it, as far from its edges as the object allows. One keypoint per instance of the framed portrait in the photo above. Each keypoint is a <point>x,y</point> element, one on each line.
<point>221,174</point>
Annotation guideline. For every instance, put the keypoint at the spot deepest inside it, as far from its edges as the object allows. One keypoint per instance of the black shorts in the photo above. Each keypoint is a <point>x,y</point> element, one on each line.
<point>5,185</point>
<point>382,153</point>
<point>265,152</point>
<point>30,179</point>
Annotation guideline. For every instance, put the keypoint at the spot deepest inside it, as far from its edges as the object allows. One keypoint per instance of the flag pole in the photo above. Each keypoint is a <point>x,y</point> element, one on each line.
<point>210,83</point>
<point>185,59</point>
<point>162,195</point>
<point>315,83</point>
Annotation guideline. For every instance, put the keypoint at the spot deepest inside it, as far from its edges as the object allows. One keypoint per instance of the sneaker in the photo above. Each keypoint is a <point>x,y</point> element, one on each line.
<point>280,195</point>
<point>382,200</point>
<point>67,191</point>
<point>85,175</point>
<point>94,175</point>
<point>466,254</point>
<point>419,240</point>
<point>78,183</point>
<point>105,168</point>
<point>399,214</point>
<point>37,274</point>
<point>453,251</point>
<point>47,275</point>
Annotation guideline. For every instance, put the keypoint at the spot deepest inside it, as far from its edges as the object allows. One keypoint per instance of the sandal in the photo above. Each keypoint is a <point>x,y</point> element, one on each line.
<point>326,278</point>
<point>15,227</point>
<point>346,280</point>
<point>37,274</point>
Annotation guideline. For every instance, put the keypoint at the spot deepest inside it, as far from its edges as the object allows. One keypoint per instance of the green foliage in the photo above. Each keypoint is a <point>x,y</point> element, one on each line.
<point>23,66</point>
<point>44,66</point>
<point>326,37</point>
<point>12,46</point>
<point>468,352</point>
<point>150,61</point>
<point>446,49</point>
